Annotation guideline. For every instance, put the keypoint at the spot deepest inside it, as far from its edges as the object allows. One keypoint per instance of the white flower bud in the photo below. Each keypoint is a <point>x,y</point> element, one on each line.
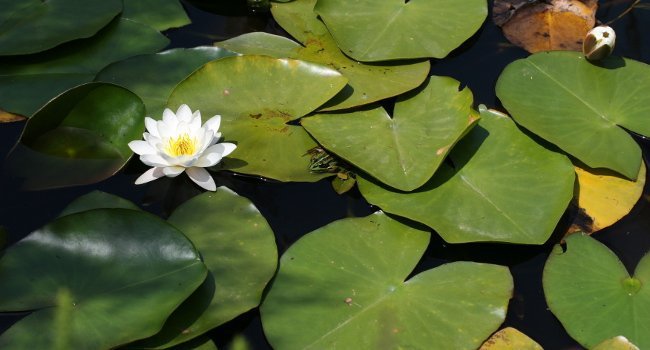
<point>599,43</point>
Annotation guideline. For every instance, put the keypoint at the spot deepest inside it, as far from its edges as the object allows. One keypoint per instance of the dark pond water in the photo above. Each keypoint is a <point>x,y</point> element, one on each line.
<point>294,209</point>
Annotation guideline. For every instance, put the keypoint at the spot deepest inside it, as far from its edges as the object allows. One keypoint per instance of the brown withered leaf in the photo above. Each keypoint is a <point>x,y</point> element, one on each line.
<point>543,25</point>
<point>6,117</point>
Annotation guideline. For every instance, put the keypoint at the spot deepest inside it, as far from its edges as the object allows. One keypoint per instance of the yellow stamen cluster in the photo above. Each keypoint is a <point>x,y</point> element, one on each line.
<point>183,145</point>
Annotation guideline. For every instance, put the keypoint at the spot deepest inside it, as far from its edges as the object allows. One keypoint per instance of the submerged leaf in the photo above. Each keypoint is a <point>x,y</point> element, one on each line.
<point>589,290</point>
<point>344,286</point>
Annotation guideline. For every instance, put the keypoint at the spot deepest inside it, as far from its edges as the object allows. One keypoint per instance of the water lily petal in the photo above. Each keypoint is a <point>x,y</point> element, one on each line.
<point>154,160</point>
<point>195,123</point>
<point>202,178</point>
<point>151,126</point>
<point>184,113</point>
<point>206,140</point>
<point>211,156</point>
<point>227,148</point>
<point>169,118</point>
<point>152,140</point>
<point>213,123</point>
<point>149,175</point>
<point>142,147</point>
<point>173,171</point>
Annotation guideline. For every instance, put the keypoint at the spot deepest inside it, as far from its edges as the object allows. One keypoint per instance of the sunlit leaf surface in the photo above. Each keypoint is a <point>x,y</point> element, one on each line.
<point>26,84</point>
<point>616,343</point>
<point>163,70</point>
<point>80,137</point>
<point>403,151</point>
<point>344,286</point>
<point>485,195</point>
<point>370,30</point>
<point>510,339</point>
<point>107,249</point>
<point>257,97</point>
<point>582,107</point>
<point>238,247</point>
<point>592,294</point>
<point>30,26</point>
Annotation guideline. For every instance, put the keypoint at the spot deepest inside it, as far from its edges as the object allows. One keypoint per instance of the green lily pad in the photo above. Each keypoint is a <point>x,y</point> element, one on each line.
<point>97,200</point>
<point>89,269</point>
<point>343,287</point>
<point>159,14</point>
<point>238,247</point>
<point>370,30</point>
<point>256,97</point>
<point>589,290</point>
<point>404,151</point>
<point>30,26</point>
<point>26,84</point>
<point>616,343</point>
<point>486,194</point>
<point>579,106</point>
<point>155,90</point>
<point>80,137</point>
<point>367,82</point>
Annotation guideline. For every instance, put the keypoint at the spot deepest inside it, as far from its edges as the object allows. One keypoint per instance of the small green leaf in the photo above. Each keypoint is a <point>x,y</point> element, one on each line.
<point>581,107</point>
<point>80,137</point>
<point>106,265</point>
<point>404,151</point>
<point>238,247</point>
<point>370,30</point>
<point>159,14</point>
<point>510,339</point>
<point>30,26</point>
<point>486,194</point>
<point>257,96</point>
<point>343,287</point>
<point>589,290</point>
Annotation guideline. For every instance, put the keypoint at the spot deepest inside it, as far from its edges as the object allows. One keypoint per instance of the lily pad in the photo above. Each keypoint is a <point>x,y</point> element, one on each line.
<point>589,290</point>
<point>370,30</point>
<point>80,137</point>
<point>30,26</point>
<point>486,194</point>
<point>404,151</point>
<point>257,96</point>
<point>367,82</point>
<point>97,200</point>
<point>604,197</point>
<point>616,343</point>
<point>581,107</point>
<point>510,339</point>
<point>159,14</point>
<point>93,261</point>
<point>344,286</point>
<point>238,247</point>
<point>155,90</point>
<point>26,84</point>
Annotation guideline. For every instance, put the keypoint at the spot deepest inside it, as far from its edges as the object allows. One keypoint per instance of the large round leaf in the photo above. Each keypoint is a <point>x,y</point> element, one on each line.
<point>80,137</point>
<point>257,96</point>
<point>238,247</point>
<point>343,287</point>
<point>593,295</point>
<point>26,84</point>
<point>502,187</point>
<point>163,70</point>
<point>159,14</point>
<point>404,151</point>
<point>372,30</point>
<point>114,275</point>
<point>367,83</point>
<point>579,106</point>
<point>30,26</point>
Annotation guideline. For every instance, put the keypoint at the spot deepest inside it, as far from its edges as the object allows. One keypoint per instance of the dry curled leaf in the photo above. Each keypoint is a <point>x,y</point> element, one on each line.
<point>543,25</point>
<point>6,117</point>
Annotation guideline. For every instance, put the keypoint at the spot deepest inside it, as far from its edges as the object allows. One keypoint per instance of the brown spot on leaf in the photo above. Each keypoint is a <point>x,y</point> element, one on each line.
<point>442,150</point>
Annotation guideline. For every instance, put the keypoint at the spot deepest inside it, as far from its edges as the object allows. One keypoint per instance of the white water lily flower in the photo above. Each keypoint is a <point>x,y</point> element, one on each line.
<point>179,143</point>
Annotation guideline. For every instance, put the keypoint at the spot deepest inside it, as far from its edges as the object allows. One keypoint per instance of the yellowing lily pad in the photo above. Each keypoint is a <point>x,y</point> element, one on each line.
<point>605,197</point>
<point>485,195</point>
<point>582,107</point>
<point>257,98</point>
<point>589,290</point>
<point>366,82</point>
<point>404,151</point>
<point>616,343</point>
<point>344,286</point>
<point>510,339</point>
<point>371,30</point>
